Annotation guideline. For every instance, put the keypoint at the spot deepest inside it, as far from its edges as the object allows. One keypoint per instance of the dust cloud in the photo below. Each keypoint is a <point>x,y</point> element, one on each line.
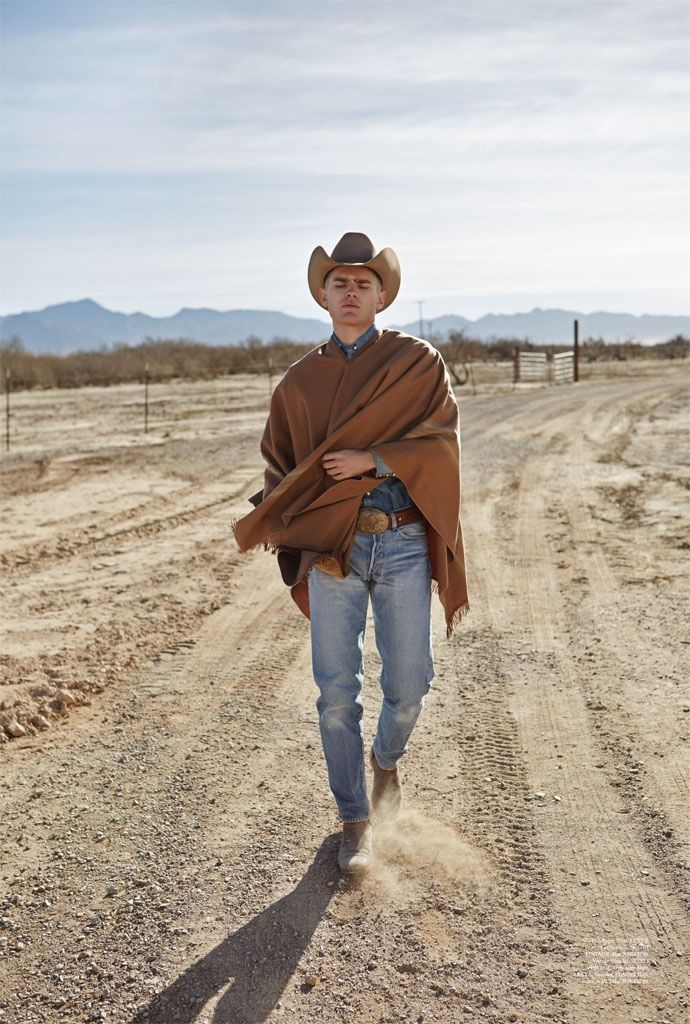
<point>414,849</point>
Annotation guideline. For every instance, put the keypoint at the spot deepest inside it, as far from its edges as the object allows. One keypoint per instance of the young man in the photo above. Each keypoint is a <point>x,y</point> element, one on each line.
<point>361,501</point>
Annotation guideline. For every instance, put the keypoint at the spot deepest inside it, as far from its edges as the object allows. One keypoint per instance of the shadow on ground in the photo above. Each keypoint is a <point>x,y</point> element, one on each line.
<point>256,962</point>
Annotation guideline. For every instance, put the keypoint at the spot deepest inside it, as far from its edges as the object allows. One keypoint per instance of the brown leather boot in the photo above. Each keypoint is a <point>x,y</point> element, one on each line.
<point>386,795</point>
<point>356,847</point>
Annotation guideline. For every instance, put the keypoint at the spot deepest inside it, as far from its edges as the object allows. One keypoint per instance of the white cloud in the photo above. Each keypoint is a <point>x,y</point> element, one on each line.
<point>512,129</point>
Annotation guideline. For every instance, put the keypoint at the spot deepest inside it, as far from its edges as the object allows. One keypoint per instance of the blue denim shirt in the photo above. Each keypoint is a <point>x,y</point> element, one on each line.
<point>392,493</point>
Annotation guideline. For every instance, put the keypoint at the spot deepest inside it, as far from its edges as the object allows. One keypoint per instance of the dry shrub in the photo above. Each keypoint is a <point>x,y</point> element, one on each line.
<point>188,359</point>
<point>163,359</point>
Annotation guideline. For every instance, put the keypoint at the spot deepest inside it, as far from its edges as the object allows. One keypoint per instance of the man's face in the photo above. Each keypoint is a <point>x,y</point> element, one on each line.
<point>352,295</point>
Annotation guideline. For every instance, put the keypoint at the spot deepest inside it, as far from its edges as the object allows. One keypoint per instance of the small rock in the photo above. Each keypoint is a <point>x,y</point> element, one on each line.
<point>407,968</point>
<point>311,980</point>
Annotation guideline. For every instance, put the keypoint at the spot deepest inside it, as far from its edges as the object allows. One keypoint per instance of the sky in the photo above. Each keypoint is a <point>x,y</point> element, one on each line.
<point>192,154</point>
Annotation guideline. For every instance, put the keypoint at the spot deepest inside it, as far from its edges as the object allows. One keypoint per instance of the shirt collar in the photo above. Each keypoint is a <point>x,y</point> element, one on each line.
<point>361,340</point>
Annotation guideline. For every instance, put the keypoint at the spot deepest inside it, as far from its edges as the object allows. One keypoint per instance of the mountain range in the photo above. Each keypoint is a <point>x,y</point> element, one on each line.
<point>85,325</point>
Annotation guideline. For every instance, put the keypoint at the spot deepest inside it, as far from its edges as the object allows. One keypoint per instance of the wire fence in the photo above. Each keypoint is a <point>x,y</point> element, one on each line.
<point>52,421</point>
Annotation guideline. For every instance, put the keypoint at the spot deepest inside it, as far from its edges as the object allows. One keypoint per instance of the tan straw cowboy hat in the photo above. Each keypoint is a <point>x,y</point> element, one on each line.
<point>357,250</point>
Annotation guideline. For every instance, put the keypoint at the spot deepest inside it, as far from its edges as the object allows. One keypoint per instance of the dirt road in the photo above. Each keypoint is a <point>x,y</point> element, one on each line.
<point>169,841</point>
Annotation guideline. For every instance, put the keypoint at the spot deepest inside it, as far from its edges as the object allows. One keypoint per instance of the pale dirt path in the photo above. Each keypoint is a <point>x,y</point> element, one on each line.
<point>205,776</point>
<point>619,877</point>
<point>113,540</point>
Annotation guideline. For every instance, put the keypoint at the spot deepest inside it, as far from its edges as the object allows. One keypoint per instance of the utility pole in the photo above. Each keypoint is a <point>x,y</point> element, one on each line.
<point>420,303</point>
<point>576,351</point>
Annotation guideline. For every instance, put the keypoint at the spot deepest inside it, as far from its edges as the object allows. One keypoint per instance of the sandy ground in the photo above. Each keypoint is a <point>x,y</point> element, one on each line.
<point>169,840</point>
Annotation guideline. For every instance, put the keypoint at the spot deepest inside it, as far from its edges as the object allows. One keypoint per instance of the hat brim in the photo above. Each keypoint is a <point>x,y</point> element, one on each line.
<point>384,263</point>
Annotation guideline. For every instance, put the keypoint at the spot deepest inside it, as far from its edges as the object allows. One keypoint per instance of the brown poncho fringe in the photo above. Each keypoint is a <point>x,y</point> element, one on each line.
<point>393,396</point>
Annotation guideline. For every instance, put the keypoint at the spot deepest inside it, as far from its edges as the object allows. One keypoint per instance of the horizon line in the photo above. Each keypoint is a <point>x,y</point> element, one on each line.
<point>254,309</point>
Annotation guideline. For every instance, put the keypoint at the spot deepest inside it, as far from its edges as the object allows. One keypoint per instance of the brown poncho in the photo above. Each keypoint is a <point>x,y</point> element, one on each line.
<point>393,396</point>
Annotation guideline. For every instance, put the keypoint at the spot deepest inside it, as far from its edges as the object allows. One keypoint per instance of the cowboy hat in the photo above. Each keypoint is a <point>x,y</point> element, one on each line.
<point>356,250</point>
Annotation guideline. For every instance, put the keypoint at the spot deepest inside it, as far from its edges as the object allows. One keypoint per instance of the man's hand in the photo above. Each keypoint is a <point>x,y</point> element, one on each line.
<point>348,462</point>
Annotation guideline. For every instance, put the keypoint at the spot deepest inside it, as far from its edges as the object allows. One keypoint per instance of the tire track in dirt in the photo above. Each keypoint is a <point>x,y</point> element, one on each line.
<point>37,559</point>
<point>660,793</point>
<point>568,721</point>
<point>189,787</point>
<point>620,925</point>
<point>480,748</point>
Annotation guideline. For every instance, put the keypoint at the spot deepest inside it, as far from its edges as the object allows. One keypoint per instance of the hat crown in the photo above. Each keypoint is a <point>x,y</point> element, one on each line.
<point>354,247</point>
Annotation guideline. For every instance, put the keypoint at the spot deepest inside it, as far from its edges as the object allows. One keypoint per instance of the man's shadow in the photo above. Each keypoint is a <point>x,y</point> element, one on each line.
<point>258,960</point>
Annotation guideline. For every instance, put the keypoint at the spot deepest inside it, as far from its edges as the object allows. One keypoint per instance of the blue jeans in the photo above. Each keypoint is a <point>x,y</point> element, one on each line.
<point>394,568</point>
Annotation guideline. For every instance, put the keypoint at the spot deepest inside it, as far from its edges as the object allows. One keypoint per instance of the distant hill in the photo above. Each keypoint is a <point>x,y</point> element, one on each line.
<point>555,326</point>
<point>80,326</point>
<point>85,325</point>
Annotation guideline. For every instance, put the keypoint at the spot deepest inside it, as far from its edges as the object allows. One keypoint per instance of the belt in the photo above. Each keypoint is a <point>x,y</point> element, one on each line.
<point>375,520</point>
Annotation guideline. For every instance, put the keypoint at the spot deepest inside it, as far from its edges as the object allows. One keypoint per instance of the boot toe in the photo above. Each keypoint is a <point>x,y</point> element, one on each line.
<point>355,848</point>
<point>386,796</point>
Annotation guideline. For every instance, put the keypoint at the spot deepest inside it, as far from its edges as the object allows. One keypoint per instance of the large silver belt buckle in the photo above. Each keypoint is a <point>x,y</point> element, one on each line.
<point>373,520</point>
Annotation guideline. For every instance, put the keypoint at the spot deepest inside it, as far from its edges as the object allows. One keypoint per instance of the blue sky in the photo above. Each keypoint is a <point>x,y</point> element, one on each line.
<point>515,154</point>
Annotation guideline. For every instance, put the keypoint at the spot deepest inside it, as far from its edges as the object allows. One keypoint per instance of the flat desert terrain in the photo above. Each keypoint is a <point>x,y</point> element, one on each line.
<point>168,844</point>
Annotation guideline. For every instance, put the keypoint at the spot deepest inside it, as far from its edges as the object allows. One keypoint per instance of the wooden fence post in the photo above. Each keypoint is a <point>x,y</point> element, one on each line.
<point>146,398</point>
<point>8,375</point>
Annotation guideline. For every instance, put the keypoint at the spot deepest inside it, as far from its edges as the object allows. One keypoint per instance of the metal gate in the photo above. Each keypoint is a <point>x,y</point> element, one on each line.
<point>563,368</point>
<point>531,366</point>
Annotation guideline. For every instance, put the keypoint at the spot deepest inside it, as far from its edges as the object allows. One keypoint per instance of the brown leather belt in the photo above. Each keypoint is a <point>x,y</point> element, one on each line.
<point>375,520</point>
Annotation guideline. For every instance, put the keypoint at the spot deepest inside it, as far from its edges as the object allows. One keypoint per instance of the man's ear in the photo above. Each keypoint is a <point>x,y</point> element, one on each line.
<point>322,297</point>
<point>381,299</point>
